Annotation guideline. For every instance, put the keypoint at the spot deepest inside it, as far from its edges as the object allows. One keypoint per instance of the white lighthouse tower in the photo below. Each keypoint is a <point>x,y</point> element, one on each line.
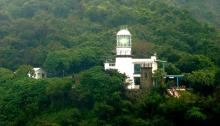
<point>123,43</point>
<point>124,62</point>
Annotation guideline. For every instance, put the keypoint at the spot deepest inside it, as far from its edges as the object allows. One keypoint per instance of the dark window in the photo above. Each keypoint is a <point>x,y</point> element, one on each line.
<point>146,76</point>
<point>137,68</point>
<point>111,64</point>
<point>137,80</point>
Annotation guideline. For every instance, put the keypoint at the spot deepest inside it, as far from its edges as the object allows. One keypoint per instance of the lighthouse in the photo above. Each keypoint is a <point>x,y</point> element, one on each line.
<point>126,64</point>
<point>123,43</point>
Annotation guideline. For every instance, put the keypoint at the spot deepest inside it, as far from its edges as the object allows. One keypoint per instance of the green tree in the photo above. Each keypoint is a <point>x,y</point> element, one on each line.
<point>5,75</point>
<point>23,71</point>
<point>158,77</point>
<point>202,80</point>
<point>195,116</point>
<point>194,62</point>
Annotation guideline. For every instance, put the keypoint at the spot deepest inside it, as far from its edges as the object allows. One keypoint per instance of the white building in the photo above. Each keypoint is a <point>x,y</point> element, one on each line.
<point>124,62</point>
<point>37,73</point>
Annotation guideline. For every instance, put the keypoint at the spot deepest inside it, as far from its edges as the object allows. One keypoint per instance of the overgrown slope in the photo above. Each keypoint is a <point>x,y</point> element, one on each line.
<point>36,32</point>
<point>203,10</point>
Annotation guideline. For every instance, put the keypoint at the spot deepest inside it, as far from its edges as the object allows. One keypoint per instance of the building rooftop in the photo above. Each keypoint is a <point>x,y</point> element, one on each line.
<point>124,32</point>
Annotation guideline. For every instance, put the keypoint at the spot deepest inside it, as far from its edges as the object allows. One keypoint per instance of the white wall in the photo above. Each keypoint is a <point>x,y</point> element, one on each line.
<point>38,73</point>
<point>125,65</point>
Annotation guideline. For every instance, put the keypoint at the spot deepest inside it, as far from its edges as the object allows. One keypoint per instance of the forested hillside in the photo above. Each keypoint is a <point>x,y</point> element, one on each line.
<point>36,32</point>
<point>71,39</point>
<point>203,10</point>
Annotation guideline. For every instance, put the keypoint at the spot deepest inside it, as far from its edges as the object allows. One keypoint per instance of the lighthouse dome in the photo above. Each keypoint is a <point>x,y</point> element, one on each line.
<point>124,32</point>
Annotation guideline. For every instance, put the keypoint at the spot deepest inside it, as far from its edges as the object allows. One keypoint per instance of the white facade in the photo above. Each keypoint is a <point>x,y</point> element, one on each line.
<point>124,62</point>
<point>37,73</point>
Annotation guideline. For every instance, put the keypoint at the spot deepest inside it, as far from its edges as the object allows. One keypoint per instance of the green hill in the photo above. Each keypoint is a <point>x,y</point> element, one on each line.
<point>71,39</point>
<point>203,10</point>
<point>36,32</point>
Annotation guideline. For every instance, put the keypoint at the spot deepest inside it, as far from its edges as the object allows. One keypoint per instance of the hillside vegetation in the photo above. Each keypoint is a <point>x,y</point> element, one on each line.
<point>71,39</point>
<point>203,10</point>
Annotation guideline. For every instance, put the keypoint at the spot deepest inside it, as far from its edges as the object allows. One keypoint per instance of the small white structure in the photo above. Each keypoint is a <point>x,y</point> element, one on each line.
<point>37,73</point>
<point>124,62</point>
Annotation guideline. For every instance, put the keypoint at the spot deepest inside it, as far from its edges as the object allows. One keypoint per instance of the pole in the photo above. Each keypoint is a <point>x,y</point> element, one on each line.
<point>177,82</point>
<point>63,73</point>
<point>163,67</point>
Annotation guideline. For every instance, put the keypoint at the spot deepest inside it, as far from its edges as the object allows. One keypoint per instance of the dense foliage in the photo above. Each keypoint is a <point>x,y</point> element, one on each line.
<point>96,97</point>
<point>203,10</point>
<point>62,34</point>
<point>70,38</point>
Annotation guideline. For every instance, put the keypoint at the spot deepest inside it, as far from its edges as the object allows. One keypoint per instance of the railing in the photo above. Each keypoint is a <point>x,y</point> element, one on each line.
<point>148,65</point>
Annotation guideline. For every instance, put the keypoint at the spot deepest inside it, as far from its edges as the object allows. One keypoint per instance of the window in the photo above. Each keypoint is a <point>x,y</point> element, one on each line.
<point>137,80</point>
<point>43,75</point>
<point>111,64</point>
<point>137,68</point>
<point>124,41</point>
<point>146,75</point>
